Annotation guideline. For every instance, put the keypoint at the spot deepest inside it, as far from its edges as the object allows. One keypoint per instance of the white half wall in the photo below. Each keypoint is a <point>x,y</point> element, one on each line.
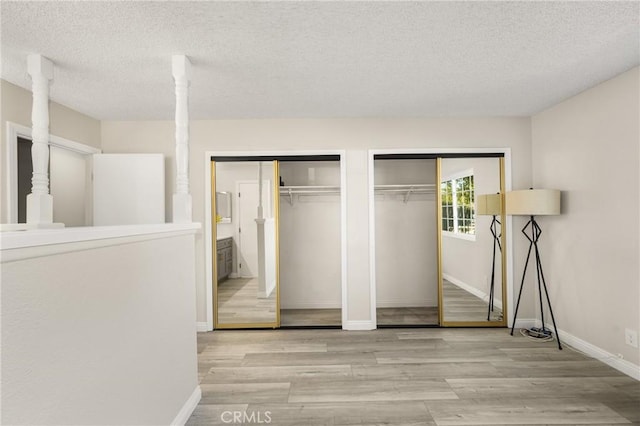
<point>99,331</point>
<point>588,147</point>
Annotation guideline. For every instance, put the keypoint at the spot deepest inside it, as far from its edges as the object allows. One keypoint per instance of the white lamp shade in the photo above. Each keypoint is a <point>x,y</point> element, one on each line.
<point>533,202</point>
<point>488,204</point>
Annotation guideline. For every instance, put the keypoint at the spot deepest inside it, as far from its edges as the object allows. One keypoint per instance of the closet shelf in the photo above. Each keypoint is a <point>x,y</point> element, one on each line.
<point>290,191</point>
<point>407,190</point>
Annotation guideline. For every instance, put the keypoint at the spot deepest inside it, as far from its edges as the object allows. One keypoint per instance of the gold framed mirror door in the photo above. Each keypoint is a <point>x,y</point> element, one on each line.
<point>245,244</point>
<point>471,241</point>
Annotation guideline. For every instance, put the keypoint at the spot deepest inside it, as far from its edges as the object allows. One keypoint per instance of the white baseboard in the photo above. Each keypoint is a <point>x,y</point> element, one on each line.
<point>622,365</point>
<point>473,290</point>
<point>527,323</point>
<point>359,325</point>
<point>202,327</point>
<point>406,303</point>
<point>188,407</point>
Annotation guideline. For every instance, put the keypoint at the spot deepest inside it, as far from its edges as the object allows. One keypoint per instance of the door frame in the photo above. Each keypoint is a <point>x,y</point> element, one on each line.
<point>208,225</point>
<point>438,152</point>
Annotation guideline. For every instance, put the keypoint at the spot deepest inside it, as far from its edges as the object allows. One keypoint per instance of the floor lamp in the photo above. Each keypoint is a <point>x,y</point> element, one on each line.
<point>532,203</point>
<point>491,205</point>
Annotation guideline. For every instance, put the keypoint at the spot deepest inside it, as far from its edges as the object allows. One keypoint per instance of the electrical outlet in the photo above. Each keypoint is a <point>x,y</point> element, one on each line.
<point>631,337</point>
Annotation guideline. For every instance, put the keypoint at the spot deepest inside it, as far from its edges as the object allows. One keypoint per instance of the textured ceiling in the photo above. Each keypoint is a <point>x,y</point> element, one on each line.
<point>321,59</point>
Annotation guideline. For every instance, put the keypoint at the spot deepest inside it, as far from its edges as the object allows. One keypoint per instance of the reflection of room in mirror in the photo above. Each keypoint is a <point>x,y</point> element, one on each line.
<point>249,294</point>
<point>238,302</point>
<point>468,242</point>
<point>462,305</point>
<point>223,207</point>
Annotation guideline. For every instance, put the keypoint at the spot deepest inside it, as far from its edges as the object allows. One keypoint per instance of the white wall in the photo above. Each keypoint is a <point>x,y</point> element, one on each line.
<point>310,250</point>
<point>469,262</point>
<point>15,104</point>
<point>406,239</point>
<point>102,335</point>
<point>70,187</point>
<point>587,146</point>
<point>356,137</point>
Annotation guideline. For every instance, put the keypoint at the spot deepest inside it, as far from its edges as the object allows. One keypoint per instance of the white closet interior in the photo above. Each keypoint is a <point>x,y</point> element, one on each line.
<point>310,241</point>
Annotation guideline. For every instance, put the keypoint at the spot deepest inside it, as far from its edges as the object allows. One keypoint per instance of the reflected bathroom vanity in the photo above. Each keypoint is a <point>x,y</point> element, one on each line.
<point>225,258</point>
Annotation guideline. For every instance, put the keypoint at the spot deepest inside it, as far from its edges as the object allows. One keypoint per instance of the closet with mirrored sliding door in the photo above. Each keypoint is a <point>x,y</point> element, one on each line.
<point>244,197</point>
<point>405,233</point>
<point>439,242</point>
<point>276,241</point>
<point>310,243</point>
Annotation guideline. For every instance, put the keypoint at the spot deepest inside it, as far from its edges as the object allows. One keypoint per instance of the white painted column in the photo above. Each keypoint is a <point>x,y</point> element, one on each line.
<point>40,201</point>
<point>260,222</point>
<point>182,210</point>
<point>260,208</point>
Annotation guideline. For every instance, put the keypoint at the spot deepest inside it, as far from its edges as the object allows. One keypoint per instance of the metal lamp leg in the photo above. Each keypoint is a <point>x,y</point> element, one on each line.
<point>536,231</point>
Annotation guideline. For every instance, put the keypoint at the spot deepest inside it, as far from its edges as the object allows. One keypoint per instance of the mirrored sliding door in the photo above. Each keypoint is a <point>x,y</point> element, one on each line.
<point>245,210</point>
<point>472,241</point>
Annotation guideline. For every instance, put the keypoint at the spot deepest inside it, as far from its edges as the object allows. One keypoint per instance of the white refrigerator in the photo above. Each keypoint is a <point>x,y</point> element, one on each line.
<point>128,189</point>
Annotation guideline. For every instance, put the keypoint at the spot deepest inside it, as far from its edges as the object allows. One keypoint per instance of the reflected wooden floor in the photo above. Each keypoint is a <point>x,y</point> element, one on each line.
<point>460,305</point>
<point>398,377</point>
<point>238,302</point>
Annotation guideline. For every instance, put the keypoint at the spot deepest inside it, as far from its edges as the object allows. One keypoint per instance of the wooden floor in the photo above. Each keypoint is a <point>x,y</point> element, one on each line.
<point>333,317</point>
<point>407,316</point>
<point>238,302</point>
<point>405,377</point>
<point>460,305</point>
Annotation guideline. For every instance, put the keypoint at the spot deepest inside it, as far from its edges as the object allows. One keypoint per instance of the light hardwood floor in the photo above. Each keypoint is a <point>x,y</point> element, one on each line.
<point>405,377</point>
<point>460,305</point>
<point>238,302</point>
<point>407,316</point>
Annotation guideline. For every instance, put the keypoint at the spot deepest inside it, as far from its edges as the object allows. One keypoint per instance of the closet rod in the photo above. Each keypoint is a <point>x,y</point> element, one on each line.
<point>418,188</point>
<point>407,186</point>
<point>309,189</point>
<point>290,191</point>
